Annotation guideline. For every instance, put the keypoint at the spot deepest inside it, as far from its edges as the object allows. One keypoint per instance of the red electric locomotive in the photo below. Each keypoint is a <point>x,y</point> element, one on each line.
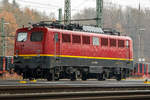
<point>54,51</point>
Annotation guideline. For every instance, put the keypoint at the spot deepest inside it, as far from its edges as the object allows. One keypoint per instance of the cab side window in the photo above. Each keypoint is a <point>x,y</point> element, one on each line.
<point>66,38</point>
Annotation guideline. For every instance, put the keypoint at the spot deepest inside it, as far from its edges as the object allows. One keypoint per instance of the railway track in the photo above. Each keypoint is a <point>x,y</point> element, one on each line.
<point>86,95</point>
<point>61,88</point>
<point>74,93</point>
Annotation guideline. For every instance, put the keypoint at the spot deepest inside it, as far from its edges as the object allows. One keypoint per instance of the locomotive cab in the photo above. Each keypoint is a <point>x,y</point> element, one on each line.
<point>27,39</point>
<point>29,46</point>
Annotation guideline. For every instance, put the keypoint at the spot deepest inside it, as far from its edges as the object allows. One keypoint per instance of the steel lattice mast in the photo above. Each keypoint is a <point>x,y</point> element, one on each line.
<point>3,37</point>
<point>67,12</point>
<point>99,11</point>
<point>60,15</point>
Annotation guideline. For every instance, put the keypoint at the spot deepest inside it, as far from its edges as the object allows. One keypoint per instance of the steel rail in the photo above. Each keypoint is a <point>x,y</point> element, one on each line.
<point>86,95</point>
<point>48,89</point>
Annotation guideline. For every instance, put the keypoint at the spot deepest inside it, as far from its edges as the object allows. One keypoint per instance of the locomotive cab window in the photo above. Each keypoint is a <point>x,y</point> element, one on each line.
<point>22,36</point>
<point>36,36</point>
<point>66,38</point>
<point>96,41</point>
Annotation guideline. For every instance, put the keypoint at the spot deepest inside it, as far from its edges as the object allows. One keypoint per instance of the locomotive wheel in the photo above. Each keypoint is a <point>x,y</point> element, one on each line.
<point>124,75</point>
<point>101,77</point>
<point>24,75</point>
<point>84,76</point>
<point>118,77</point>
<point>56,77</point>
<point>31,78</point>
<point>49,77</point>
<point>18,71</point>
<point>73,76</point>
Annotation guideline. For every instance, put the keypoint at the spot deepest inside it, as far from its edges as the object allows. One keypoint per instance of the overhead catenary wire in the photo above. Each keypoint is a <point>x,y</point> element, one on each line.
<point>38,3</point>
<point>88,19</point>
<point>54,6</point>
<point>42,5</point>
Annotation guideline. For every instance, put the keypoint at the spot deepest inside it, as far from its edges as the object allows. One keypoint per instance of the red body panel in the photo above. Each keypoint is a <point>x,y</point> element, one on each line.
<point>46,46</point>
<point>29,47</point>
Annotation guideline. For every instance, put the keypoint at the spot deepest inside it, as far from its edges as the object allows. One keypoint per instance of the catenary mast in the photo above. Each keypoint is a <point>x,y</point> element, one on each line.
<point>67,12</point>
<point>99,11</point>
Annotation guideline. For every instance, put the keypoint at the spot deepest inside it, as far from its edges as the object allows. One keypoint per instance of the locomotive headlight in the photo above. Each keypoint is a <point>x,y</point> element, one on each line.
<point>38,53</point>
<point>17,52</point>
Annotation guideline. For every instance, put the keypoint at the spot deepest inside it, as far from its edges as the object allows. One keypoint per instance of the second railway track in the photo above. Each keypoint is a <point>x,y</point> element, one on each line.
<point>86,95</point>
<point>48,89</point>
<point>74,92</point>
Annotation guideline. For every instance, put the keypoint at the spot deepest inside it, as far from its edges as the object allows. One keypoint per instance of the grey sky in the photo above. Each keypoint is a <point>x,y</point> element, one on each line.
<point>77,5</point>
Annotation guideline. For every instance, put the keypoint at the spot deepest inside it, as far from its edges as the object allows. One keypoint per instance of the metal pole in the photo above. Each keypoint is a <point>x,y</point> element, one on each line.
<point>60,15</point>
<point>67,12</point>
<point>140,45</point>
<point>99,9</point>
<point>3,36</point>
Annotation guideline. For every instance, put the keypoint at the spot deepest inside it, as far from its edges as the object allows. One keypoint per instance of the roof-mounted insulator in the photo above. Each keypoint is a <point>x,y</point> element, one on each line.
<point>111,31</point>
<point>76,27</point>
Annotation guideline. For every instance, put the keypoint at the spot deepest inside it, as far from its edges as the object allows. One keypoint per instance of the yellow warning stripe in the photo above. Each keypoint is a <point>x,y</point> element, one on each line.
<point>86,57</point>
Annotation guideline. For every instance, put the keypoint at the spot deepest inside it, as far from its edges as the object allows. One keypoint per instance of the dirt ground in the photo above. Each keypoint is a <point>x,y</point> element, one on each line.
<point>10,76</point>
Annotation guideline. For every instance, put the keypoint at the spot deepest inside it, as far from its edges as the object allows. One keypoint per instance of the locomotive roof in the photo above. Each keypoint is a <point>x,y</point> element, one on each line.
<point>76,32</point>
<point>88,33</point>
<point>78,29</point>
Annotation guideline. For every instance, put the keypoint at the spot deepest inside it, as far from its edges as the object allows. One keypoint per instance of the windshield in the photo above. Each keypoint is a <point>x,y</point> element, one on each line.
<point>22,36</point>
<point>36,36</point>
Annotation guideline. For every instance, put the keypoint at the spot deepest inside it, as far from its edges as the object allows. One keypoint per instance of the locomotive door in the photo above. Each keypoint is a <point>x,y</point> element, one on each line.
<point>128,49</point>
<point>57,50</point>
